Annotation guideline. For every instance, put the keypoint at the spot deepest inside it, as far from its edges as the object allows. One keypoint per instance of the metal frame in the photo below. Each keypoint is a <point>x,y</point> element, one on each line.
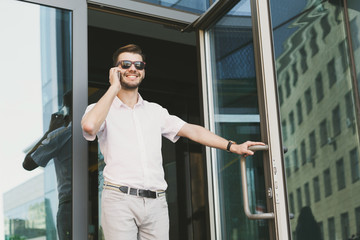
<point>209,123</point>
<point>80,78</point>
<point>352,64</point>
<point>155,12</point>
<point>267,88</point>
<point>270,124</point>
<point>215,11</point>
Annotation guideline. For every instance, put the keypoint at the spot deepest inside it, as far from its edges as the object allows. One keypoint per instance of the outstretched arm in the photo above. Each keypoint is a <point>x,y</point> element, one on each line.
<point>205,137</point>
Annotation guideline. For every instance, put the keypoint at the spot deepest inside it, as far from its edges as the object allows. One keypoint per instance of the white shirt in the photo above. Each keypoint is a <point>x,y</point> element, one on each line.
<point>131,139</point>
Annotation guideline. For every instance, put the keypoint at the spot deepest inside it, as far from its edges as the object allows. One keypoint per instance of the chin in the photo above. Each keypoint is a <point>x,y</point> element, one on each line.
<point>128,86</point>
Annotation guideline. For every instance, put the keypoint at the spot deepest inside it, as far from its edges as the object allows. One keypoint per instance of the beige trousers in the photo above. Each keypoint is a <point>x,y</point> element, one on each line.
<point>128,217</point>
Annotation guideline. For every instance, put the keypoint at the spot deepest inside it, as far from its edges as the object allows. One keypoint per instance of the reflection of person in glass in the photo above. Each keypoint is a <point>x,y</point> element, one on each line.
<point>307,228</point>
<point>56,145</point>
<point>129,131</point>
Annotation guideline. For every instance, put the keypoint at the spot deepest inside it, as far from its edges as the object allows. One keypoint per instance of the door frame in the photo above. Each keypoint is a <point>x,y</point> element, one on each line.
<point>270,127</point>
<point>80,92</point>
<point>270,113</point>
<point>151,12</point>
<point>264,67</point>
<point>267,92</point>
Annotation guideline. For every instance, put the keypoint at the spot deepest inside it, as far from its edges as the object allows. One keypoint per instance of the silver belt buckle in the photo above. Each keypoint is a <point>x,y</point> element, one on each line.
<point>160,194</point>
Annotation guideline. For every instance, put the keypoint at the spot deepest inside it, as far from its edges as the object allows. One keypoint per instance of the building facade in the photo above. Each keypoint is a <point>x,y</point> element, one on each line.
<point>282,72</point>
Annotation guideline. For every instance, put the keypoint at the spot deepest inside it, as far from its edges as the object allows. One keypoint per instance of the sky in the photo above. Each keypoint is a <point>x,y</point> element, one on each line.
<point>20,81</point>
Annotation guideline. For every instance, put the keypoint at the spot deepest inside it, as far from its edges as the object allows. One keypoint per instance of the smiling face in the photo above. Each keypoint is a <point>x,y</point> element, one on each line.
<point>131,78</point>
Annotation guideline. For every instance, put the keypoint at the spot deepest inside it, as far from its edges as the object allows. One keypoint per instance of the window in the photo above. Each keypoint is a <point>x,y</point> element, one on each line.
<point>349,106</point>
<point>320,224</point>
<point>194,6</point>
<point>319,87</point>
<point>292,203</point>
<point>324,22</point>
<point>331,72</point>
<point>296,160</point>
<point>303,152</point>
<point>287,85</point>
<point>281,97</point>
<point>316,184</point>
<point>357,219</point>
<point>355,34</point>
<point>343,50</point>
<point>308,100</point>
<point>307,194</point>
<point>299,199</point>
<point>340,174</point>
<point>299,112</point>
<point>312,141</point>
<point>288,167</point>
<point>284,129</point>
<point>303,57</point>
<point>354,163</point>
<point>295,73</point>
<point>345,227</point>
<point>337,17</point>
<point>323,133</point>
<point>44,109</point>
<point>228,48</point>
<point>336,121</point>
<point>313,44</point>
<point>292,122</point>
<point>327,183</point>
<point>331,228</point>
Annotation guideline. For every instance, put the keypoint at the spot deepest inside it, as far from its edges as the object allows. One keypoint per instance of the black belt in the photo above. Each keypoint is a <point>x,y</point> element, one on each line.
<point>135,191</point>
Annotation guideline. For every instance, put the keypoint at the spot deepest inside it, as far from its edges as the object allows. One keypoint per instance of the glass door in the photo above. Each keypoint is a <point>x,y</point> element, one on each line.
<point>40,137</point>
<point>240,94</point>
<point>317,64</point>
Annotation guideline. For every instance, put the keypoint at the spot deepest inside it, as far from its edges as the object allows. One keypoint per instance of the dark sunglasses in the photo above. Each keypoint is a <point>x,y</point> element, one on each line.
<point>126,64</point>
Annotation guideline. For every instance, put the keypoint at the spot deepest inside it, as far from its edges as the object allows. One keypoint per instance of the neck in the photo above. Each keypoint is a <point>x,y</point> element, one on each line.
<point>129,97</point>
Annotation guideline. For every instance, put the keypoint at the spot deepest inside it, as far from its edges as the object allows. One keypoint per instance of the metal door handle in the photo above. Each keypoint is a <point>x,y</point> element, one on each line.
<point>248,213</point>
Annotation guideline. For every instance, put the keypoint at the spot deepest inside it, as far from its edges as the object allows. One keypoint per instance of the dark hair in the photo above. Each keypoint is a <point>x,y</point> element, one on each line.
<point>131,48</point>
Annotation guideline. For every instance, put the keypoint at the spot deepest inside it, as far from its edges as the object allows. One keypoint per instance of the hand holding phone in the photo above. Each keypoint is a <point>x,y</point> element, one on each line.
<point>114,77</point>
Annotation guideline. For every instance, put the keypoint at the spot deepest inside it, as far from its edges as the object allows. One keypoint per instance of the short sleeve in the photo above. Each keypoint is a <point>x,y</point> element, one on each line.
<point>87,136</point>
<point>50,147</point>
<point>171,125</point>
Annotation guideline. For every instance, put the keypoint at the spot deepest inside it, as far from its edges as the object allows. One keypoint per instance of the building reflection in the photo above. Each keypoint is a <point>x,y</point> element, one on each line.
<point>28,214</point>
<point>316,96</point>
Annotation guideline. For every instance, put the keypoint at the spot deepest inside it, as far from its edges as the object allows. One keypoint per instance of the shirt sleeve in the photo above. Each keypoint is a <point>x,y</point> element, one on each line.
<point>86,135</point>
<point>171,125</point>
<point>50,146</point>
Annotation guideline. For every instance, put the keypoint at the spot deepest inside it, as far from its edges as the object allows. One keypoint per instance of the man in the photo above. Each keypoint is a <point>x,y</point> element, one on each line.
<point>129,131</point>
<point>56,145</point>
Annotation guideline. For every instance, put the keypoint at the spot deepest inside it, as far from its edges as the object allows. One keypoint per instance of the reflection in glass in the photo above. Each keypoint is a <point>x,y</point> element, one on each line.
<point>354,16</point>
<point>314,37</point>
<point>307,227</point>
<point>195,6</point>
<point>36,81</point>
<point>237,118</point>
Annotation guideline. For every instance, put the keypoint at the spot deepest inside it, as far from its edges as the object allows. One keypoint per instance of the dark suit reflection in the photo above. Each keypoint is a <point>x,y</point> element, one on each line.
<point>307,228</point>
<point>56,145</point>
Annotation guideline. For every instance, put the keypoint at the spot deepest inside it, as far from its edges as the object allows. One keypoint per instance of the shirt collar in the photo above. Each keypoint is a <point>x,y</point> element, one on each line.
<point>118,103</point>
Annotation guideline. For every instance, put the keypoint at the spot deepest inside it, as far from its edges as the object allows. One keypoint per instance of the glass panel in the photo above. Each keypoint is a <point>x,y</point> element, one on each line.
<point>237,118</point>
<point>36,88</point>
<point>195,6</point>
<point>354,16</point>
<point>311,48</point>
